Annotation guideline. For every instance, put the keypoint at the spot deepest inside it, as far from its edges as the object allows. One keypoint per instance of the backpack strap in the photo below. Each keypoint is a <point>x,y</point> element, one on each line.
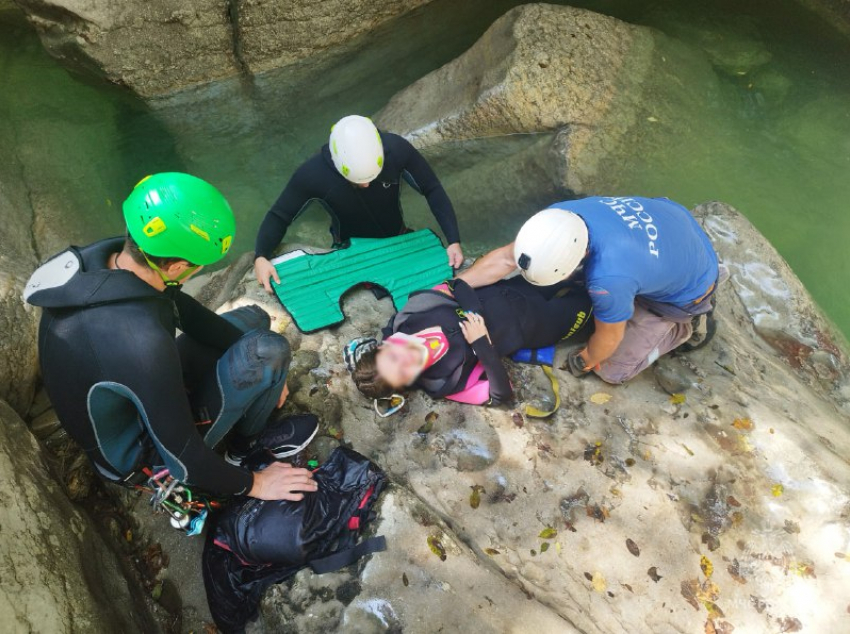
<point>344,558</point>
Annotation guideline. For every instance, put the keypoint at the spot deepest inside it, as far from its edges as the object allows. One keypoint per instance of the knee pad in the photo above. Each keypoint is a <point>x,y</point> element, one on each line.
<point>273,351</point>
<point>248,318</point>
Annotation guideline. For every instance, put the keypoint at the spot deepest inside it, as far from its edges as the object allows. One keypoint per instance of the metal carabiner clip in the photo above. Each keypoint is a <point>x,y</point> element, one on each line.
<point>393,404</point>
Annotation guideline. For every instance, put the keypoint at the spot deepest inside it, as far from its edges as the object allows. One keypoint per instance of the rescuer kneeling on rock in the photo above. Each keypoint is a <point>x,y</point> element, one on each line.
<point>134,397</point>
<point>356,177</point>
<point>650,270</point>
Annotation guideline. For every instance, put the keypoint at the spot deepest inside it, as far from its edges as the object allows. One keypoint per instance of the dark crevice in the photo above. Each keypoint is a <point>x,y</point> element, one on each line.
<point>236,37</point>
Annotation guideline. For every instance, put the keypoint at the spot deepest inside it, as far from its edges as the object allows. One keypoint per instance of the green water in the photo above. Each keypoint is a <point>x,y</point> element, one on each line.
<point>776,144</point>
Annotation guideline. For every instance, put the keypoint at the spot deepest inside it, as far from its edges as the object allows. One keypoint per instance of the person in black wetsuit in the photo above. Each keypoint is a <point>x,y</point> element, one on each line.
<point>357,178</point>
<point>449,340</point>
<point>130,394</point>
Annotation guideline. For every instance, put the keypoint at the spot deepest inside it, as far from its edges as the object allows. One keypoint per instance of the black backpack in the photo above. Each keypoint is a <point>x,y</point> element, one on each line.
<point>253,544</point>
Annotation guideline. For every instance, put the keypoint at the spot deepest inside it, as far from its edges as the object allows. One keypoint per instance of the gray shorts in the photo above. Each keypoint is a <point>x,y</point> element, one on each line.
<point>648,336</point>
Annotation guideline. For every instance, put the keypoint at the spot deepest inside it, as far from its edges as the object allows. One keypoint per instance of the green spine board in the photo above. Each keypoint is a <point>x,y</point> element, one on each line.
<point>313,284</point>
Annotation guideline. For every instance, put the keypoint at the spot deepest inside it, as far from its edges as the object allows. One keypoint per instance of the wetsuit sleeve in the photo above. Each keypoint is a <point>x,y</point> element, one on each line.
<point>500,384</point>
<point>421,177</point>
<point>156,381</point>
<point>293,199</point>
<point>203,325</point>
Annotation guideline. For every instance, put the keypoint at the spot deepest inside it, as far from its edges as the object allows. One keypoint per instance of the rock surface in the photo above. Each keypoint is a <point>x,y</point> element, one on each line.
<point>158,46</point>
<point>725,504</point>
<point>57,575</point>
<point>599,86</point>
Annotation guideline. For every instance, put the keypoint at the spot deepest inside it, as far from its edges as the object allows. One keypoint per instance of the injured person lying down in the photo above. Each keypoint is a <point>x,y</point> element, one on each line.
<point>449,340</point>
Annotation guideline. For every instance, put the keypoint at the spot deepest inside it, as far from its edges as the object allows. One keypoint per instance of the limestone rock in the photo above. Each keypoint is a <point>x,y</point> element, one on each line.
<point>45,424</point>
<point>731,42</point>
<point>274,34</point>
<point>157,46</point>
<point>836,13</point>
<point>18,321</point>
<point>150,47</point>
<point>593,82</point>
<point>774,300</point>
<point>541,520</point>
<point>58,574</point>
<point>409,588</point>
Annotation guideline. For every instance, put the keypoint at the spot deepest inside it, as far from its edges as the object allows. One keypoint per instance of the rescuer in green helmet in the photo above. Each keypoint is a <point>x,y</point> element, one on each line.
<point>129,393</point>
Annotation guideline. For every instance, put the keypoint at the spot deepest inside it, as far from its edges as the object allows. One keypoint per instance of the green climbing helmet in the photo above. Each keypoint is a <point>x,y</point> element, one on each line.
<point>177,215</point>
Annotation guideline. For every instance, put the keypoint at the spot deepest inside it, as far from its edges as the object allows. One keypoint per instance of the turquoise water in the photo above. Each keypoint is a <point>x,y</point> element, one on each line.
<point>776,145</point>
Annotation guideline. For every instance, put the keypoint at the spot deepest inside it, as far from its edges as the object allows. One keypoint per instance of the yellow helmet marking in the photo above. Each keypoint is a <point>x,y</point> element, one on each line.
<point>225,244</point>
<point>198,231</point>
<point>154,227</point>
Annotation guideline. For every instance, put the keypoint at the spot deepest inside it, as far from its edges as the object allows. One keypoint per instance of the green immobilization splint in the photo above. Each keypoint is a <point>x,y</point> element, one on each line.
<point>312,284</point>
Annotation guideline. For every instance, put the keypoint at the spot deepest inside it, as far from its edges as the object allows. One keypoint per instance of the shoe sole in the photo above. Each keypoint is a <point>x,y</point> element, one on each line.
<point>710,331</point>
<point>230,460</point>
<point>291,452</point>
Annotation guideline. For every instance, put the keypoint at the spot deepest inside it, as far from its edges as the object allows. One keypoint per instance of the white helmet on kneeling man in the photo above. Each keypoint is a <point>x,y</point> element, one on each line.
<point>550,246</point>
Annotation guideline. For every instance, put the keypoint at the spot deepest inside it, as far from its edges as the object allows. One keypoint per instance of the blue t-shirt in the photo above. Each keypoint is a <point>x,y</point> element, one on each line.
<point>648,247</point>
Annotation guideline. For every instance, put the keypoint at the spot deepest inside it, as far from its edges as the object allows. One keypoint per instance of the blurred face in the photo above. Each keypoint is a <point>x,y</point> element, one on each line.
<point>398,364</point>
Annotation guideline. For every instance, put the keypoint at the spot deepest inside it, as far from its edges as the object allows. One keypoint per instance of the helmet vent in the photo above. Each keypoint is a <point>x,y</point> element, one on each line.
<point>524,262</point>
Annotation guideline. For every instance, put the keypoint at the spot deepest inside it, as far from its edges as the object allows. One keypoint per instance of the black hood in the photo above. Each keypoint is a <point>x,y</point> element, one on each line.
<point>80,277</point>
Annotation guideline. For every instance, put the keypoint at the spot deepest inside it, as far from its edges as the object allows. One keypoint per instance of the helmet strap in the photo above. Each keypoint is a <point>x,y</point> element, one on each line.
<point>167,280</point>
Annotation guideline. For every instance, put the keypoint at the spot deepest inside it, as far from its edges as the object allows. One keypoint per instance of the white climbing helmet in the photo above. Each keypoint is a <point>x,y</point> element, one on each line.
<point>356,149</point>
<point>550,246</point>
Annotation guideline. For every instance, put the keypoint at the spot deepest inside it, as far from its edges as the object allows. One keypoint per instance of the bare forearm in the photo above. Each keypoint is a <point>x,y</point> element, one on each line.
<point>490,268</point>
<point>604,341</point>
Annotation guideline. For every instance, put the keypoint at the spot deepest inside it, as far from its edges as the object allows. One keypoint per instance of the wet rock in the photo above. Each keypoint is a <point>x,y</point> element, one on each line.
<point>45,425</point>
<point>40,404</point>
<point>582,83</point>
<point>59,574</point>
<point>534,389</point>
<point>747,473</point>
<point>774,300</point>
<point>835,13</point>
<point>820,123</point>
<point>322,447</point>
<point>672,376</point>
<point>156,47</point>
<point>772,85</point>
<point>732,43</point>
<point>302,362</point>
<point>18,322</point>
<point>467,449</point>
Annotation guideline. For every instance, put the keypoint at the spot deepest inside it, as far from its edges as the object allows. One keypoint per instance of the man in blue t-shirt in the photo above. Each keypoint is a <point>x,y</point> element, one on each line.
<point>650,269</point>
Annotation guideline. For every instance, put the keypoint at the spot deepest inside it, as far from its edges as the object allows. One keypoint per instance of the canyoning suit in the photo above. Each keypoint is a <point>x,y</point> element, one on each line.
<point>650,264</point>
<point>365,212</point>
<point>517,315</point>
<point>133,396</point>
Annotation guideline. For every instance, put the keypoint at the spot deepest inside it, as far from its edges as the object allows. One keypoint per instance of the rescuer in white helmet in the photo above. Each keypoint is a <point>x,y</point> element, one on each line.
<point>357,177</point>
<point>650,270</point>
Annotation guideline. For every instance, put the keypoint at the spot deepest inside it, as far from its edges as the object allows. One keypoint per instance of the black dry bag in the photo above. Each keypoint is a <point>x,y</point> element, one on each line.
<point>253,544</point>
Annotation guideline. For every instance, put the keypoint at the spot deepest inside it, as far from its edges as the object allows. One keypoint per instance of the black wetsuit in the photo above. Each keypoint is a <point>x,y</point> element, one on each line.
<point>366,212</point>
<point>107,343</point>
<point>517,315</point>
